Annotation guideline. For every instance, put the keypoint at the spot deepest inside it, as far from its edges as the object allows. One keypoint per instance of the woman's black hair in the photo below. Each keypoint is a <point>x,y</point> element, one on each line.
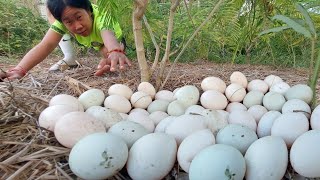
<point>56,7</point>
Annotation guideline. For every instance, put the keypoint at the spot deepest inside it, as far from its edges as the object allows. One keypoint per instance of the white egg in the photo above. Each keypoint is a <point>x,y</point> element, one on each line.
<point>236,106</point>
<point>194,109</point>
<point>157,116</point>
<point>98,156</point>
<point>258,85</point>
<point>106,115</point>
<point>163,124</point>
<point>243,118</point>
<point>91,97</point>
<point>252,98</point>
<point>152,156</point>
<point>273,101</point>
<point>117,103</point>
<point>165,95</point>
<point>297,105</point>
<point>140,99</point>
<point>257,111</point>
<point>280,87</point>
<point>266,122</point>
<point>73,126</point>
<point>176,108</point>
<point>218,161</point>
<point>237,136</point>
<point>239,78</point>
<point>188,95</point>
<point>147,88</point>
<point>158,105</point>
<point>289,126</point>
<point>65,99</point>
<point>183,126</point>
<point>272,79</point>
<point>129,131</point>
<point>192,145</point>
<point>304,154</point>
<point>50,116</point>
<point>142,119</point>
<point>315,118</point>
<point>213,99</point>
<point>214,120</point>
<point>120,89</point>
<point>300,91</point>
<point>213,83</point>
<point>266,158</point>
<point>235,92</point>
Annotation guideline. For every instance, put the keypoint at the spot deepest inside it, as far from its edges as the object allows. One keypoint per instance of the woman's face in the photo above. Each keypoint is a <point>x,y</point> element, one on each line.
<point>77,20</point>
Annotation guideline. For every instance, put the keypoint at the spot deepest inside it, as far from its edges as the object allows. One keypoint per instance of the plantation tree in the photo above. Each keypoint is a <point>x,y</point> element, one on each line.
<point>137,16</point>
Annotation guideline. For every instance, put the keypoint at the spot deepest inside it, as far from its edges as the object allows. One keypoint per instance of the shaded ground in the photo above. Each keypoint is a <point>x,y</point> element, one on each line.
<point>30,152</point>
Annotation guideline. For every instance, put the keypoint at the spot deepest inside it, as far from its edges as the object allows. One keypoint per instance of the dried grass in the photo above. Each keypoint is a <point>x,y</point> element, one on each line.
<point>28,151</point>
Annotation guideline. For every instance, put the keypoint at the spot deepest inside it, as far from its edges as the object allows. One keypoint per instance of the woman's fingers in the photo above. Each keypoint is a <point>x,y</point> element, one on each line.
<point>102,70</point>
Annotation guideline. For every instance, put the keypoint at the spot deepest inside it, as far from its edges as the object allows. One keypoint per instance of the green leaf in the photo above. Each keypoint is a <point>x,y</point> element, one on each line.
<point>294,25</point>
<point>306,17</point>
<point>274,30</point>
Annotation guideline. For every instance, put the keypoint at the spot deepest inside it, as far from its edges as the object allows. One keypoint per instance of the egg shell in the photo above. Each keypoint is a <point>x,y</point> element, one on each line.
<point>157,116</point>
<point>273,101</point>
<point>315,118</point>
<point>266,158</point>
<point>165,95</point>
<point>258,85</point>
<point>120,89</point>
<point>235,92</point>
<point>156,161</point>
<point>117,103</point>
<point>214,120</point>
<point>50,116</point>
<point>142,119</point>
<point>243,118</point>
<point>163,124</point>
<point>218,161</point>
<point>158,105</point>
<point>304,154</point>
<point>257,111</point>
<point>280,87</point>
<point>106,115</point>
<point>253,98</point>
<point>188,95</point>
<point>194,109</point>
<point>266,122</point>
<point>147,88</point>
<point>176,108</point>
<point>239,78</point>
<point>73,126</point>
<point>289,126</point>
<point>106,159</point>
<point>140,99</point>
<point>213,99</point>
<point>65,99</point>
<point>297,105</point>
<point>236,106</point>
<point>193,144</point>
<point>272,79</point>
<point>237,136</point>
<point>91,97</point>
<point>184,125</point>
<point>129,131</point>
<point>140,110</point>
<point>213,83</point>
<point>299,91</point>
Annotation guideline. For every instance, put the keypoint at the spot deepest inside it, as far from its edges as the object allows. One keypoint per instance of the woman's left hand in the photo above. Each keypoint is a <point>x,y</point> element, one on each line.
<point>111,61</point>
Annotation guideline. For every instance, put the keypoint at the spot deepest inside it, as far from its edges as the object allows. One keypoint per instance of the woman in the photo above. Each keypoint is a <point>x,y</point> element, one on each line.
<point>88,26</point>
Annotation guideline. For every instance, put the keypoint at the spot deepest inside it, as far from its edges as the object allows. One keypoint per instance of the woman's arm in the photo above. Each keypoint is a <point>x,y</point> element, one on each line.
<point>36,55</point>
<point>113,53</point>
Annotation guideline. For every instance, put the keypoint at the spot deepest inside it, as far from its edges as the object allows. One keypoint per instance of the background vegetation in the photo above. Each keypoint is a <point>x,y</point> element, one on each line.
<point>231,36</point>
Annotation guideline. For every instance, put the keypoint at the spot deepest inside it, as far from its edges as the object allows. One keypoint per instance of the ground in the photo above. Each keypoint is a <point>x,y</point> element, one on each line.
<point>29,152</point>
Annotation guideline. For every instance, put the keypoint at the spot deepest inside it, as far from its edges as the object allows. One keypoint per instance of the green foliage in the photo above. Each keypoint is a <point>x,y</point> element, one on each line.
<point>20,29</point>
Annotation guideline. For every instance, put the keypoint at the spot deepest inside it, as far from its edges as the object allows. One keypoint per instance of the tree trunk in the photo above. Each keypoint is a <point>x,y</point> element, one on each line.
<point>174,5</point>
<point>138,12</point>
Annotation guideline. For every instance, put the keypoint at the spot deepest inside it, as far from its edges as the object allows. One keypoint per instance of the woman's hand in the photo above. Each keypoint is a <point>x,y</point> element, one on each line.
<point>111,60</point>
<point>15,73</point>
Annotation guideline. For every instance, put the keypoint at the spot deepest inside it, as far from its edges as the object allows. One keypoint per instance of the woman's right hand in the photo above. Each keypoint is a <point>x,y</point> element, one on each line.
<point>15,73</point>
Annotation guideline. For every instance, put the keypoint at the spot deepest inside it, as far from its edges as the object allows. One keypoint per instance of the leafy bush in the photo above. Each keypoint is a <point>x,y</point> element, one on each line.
<point>20,29</point>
